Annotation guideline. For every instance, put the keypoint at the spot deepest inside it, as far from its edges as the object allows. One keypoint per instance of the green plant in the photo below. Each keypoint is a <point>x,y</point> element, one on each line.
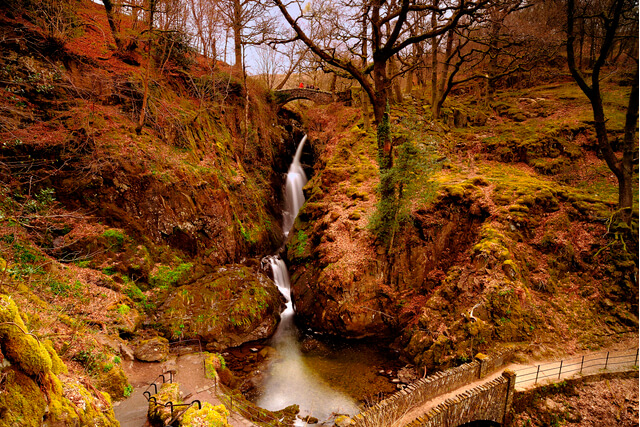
<point>167,276</point>
<point>301,242</point>
<point>115,238</point>
<point>109,271</point>
<point>123,309</point>
<point>128,390</point>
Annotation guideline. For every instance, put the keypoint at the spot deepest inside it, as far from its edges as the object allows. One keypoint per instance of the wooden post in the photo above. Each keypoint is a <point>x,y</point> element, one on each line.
<point>606,362</point>
<point>560,370</point>
<point>581,364</point>
<point>536,382</point>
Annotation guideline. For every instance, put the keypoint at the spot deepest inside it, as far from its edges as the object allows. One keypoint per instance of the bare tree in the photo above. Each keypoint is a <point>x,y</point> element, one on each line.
<point>269,65</point>
<point>249,23</point>
<point>613,17</point>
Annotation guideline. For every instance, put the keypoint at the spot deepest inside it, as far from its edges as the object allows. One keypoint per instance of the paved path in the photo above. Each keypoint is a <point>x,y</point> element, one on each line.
<point>549,372</point>
<point>620,360</point>
<point>189,373</point>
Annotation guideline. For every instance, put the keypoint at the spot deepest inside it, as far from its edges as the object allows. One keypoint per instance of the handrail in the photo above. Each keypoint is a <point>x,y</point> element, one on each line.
<point>568,366</point>
<point>146,393</point>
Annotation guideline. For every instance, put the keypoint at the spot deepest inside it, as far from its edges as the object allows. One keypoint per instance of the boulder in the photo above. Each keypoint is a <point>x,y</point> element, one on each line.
<point>155,349</point>
<point>234,305</point>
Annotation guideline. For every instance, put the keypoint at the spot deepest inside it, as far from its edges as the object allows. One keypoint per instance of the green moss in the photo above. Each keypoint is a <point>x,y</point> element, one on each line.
<point>21,402</point>
<point>208,416</point>
<point>57,365</point>
<point>167,276</point>
<point>115,238</point>
<point>20,347</point>
<point>212,364</point>
<point>114,382</point>
<point>169,392</point>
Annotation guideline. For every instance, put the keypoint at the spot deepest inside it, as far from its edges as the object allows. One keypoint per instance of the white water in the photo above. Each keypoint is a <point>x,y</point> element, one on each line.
<point>294,197</point>
<point>289,380</point>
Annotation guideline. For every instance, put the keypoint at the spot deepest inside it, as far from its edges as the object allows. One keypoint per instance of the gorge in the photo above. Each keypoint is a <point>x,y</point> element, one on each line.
<point>141,186</point>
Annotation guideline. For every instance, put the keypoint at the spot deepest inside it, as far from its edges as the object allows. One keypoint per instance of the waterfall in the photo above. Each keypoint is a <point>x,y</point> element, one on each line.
<point>289,380</point>
<point>293,196</point>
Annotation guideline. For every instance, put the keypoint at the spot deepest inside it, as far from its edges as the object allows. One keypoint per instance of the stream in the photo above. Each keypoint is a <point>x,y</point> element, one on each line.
<point>324,379</point>
<point>289,380</point>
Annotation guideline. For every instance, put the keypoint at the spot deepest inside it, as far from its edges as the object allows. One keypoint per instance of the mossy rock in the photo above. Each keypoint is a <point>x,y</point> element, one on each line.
<point>212,364</point>
<point>113,382</point>
<point>57,365</point>
<point>22,403</point>
<point>155,349</point>
<point>207,416</point>
<point>233,305</point>
<point>158,412</point>
<point>19,346</point>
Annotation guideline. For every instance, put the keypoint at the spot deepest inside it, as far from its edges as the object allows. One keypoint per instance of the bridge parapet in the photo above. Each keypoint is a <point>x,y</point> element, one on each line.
<point>318,96</point>
<point>487,402</point>
<point>396,406</point>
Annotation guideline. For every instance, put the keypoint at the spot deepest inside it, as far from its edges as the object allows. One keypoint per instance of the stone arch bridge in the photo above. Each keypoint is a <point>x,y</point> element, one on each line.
<point>318,96</point>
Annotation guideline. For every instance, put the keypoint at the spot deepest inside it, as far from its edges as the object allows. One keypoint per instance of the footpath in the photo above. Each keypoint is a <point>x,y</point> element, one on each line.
<point>536,374</point>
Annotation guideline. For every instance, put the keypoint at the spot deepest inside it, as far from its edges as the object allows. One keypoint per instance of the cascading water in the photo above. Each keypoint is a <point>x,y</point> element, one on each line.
<point>289,380</point>
<point>294,197</point>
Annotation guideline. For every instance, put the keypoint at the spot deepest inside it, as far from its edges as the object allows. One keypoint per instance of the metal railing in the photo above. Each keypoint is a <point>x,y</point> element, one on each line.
<point>583,364</point>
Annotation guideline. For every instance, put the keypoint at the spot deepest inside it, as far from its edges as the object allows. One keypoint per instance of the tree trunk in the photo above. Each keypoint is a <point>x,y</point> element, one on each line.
<point>145,97</point>
<point>113,23</point>
<point>434,61</point>
<point>625,184</point>
<point>395,84</point>
<point>237,36</point>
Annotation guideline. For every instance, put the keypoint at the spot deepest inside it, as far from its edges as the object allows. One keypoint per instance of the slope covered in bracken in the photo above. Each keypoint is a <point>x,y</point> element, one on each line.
<point>109,236</point>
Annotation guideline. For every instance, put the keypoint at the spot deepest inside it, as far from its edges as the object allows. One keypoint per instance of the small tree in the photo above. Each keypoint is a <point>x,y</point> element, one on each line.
<point>612,18</point>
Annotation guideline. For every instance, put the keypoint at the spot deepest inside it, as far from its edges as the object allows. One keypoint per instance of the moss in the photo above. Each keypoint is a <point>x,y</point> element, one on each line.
<point>208,416</point>
<point>21,402</point>
<point>57,365</point>
<point>114,382</point>
<point>169,392</point>
<point>20,347</point>
<point>212,363</point>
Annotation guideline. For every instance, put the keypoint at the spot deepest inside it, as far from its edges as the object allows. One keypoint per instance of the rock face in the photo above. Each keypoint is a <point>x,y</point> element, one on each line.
<point>342,285</point>
<point>458,259</point>
<point>231,306</point>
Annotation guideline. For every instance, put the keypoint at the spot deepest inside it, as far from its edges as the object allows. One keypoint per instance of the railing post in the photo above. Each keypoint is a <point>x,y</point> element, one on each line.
<point>636,362</point>
<point>510,376</point>
<point>581,365</point>
<point>560,370</point>
<point>606,362</point>
<point>536,382</point>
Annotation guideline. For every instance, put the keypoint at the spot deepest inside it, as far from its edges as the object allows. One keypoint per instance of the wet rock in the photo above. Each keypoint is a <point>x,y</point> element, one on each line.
<point>309,419</point>
<point>267,352</point>
<point>343,421</point>
<point>311,344</point>
<point>234,305</point>
<point>152,350</point>
<point>407,375</point>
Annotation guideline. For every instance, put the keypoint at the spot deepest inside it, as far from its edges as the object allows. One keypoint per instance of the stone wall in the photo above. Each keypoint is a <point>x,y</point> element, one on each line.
<point>425,389</point>
<point>486,402</point>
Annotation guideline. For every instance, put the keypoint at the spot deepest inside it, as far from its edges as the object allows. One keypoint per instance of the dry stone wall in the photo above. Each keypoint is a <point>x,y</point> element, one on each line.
<point>486,402</point>
<point>425,389</point>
